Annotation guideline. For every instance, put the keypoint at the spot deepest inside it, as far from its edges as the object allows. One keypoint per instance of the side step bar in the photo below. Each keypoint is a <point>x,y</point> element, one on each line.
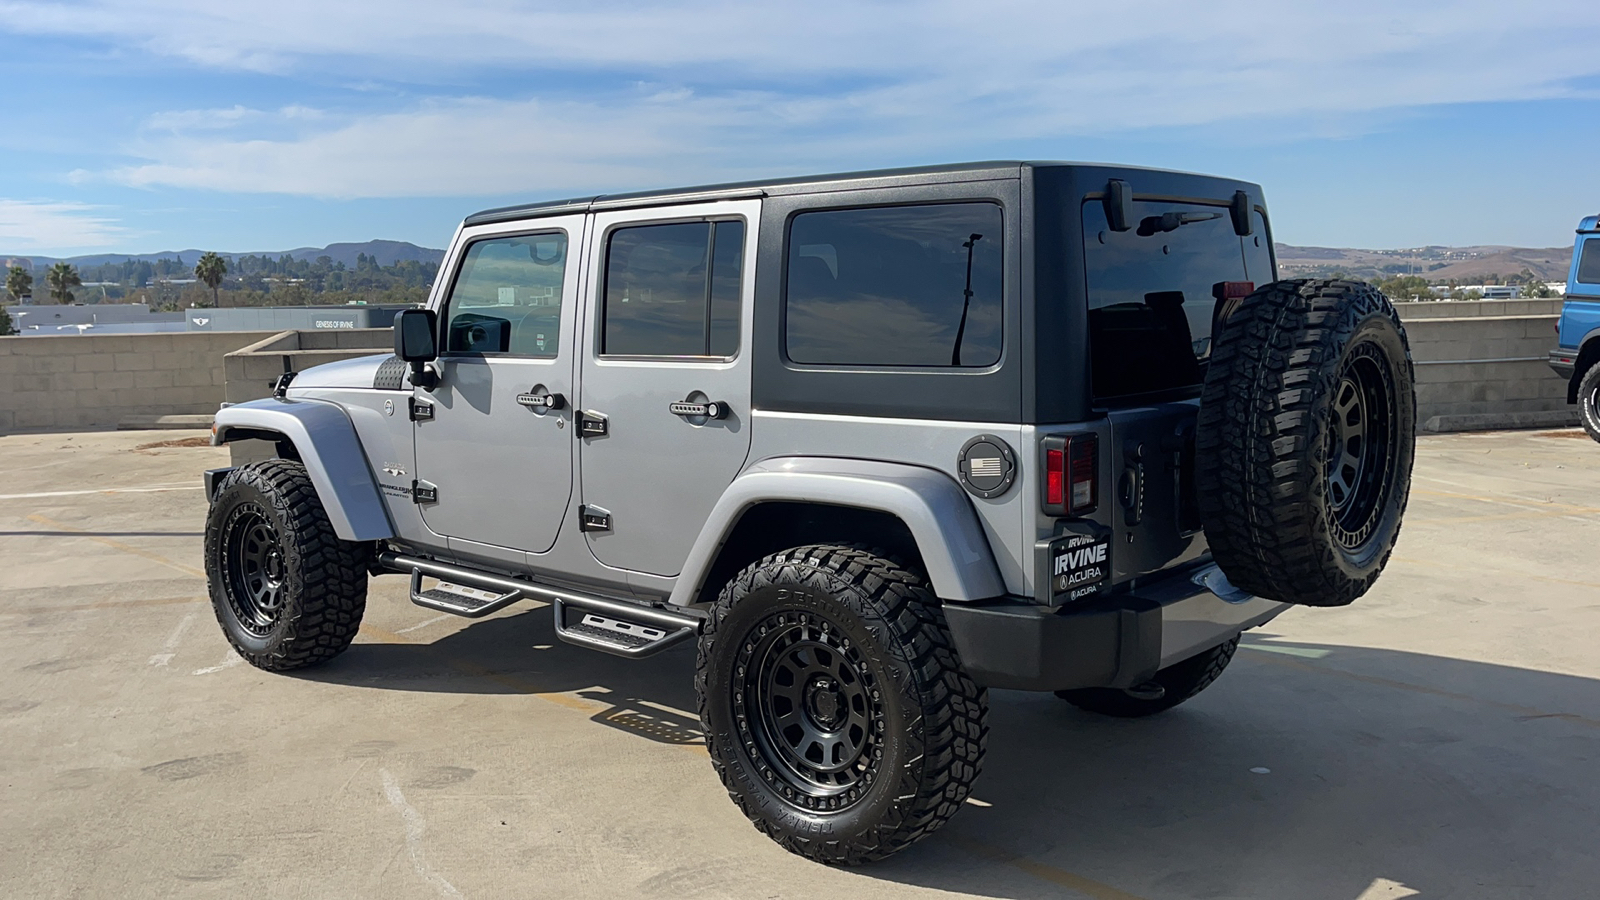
<point>617,627</point>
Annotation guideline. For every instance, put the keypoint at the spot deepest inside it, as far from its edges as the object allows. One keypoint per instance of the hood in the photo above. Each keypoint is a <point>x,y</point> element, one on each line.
<point>346,373</point>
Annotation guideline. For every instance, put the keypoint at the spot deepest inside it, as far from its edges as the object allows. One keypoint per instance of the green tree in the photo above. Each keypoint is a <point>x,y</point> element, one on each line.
<point>19,283</point>
<point>210,270</point>
<point>5,323</point>
<point>62,278</point>
<point>1407,287</point>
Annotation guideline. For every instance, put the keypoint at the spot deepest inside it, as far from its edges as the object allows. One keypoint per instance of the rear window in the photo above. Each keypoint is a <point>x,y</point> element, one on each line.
<point>1153,292</point>
<point>1589,262</point>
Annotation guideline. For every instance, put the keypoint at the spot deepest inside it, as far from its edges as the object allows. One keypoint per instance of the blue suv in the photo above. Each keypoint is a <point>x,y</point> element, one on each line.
<point>1577,356</point>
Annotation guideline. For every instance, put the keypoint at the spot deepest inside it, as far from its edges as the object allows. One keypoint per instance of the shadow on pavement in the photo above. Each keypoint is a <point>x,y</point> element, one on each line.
<point>1308,772</point>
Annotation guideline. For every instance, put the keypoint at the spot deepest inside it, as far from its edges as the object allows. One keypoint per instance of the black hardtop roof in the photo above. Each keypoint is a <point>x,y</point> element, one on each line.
<point>873,178</point>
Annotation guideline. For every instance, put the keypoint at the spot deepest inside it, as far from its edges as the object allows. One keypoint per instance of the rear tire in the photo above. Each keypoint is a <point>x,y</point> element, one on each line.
<point>835,709</point>
<point>1181,680</point>
<point>1306,434</point>
<point>286,590</point>
<point>1589,401</point>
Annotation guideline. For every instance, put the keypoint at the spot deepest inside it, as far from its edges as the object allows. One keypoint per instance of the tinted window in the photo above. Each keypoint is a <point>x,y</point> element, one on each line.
<point>673,290</point>
<point>1258,253</point>
<point>507,297</point>
<point>1152,292</point>
<point>1589,262</point>
<point>895,286</point>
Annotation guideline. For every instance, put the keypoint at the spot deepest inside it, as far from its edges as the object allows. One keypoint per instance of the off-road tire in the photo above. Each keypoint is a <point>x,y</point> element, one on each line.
<point>322,580</point>
<point>1181,680</point>
<point>1589,401</point>
<point>1286,515</point>
<point>927,719</point>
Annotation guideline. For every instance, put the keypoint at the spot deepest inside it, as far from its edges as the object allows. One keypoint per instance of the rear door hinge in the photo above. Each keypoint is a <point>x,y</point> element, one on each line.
<point>423,492</point>
<point>592,424</point>
<point>593,518</point>
<point>421,410</point>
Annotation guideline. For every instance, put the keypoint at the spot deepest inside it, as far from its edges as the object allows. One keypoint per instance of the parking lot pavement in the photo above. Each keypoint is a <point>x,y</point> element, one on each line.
<point>1438,739</point>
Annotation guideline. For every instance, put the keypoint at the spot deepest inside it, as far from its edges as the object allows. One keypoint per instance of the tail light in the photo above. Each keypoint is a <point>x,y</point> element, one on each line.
<point>1071,467</point>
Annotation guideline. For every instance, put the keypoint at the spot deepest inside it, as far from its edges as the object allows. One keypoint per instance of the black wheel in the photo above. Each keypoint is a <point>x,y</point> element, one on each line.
<point>286,590</point>
<point>1305,442</point>
<point>834,706</point>
<point>1179,682</point>
<point>1589,401</point>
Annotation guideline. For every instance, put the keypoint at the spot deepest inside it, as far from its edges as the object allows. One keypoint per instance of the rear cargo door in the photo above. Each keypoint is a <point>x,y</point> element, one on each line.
<point>1154,291</point>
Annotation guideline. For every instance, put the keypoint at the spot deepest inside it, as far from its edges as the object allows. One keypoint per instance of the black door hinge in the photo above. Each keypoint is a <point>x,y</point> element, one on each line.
<point>423,492</point>
<point>593,518</point>
<point>421,410</point>
<point>592,424</point>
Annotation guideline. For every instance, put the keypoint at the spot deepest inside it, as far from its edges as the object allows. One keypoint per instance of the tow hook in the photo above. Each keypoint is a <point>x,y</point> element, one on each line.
<point>1150,690</point>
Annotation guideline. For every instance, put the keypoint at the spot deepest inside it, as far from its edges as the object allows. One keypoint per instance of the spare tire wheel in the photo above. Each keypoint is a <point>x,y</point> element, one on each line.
<point>1305,441</point>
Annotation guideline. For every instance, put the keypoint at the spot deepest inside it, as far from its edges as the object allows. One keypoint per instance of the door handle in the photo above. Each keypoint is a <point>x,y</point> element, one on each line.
<point>541,399</point>
<point>711,409</point>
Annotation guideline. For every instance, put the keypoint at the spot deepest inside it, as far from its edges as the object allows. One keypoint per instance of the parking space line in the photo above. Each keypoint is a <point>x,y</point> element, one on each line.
<point>170,648</point>
<point>1042,871</point>
<point>99,604</point>
<point>118,545</point>
<point>1412,561</point>
<point>154,489</point>
<point>1522,712</point>
<point>416,827</point>
<point>1508,500</point>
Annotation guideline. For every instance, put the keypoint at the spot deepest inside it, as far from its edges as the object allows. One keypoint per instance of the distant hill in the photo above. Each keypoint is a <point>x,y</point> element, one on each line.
<point>1463,264</point>
<point>387,252</point>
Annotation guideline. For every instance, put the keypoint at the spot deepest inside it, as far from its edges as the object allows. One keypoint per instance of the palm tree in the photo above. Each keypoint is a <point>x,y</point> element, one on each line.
<point>210,270</point>
<point>19,283</point>
<point>62,278</point>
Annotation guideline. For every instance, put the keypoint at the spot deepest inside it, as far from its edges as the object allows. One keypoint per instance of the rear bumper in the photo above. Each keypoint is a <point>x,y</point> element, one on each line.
<point>1115,642</point>
<point>1564,362</point>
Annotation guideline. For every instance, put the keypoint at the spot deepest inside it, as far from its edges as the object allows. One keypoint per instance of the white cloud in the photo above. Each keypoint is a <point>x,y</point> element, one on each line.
<point>35,225</point>
<point>747,88</point>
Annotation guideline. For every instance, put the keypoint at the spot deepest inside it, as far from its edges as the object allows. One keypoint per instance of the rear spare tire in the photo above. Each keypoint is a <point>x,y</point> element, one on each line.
<point>1305,441</point>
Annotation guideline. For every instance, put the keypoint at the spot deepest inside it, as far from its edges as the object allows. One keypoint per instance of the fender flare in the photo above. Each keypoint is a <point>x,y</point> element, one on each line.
<point>955,551</point>
<point>326,440</point>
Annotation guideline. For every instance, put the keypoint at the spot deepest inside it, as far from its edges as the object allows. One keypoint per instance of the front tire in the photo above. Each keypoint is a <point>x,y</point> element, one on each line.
<point>1589,401</point>
<point>286,590</point>
<point>835,709</point>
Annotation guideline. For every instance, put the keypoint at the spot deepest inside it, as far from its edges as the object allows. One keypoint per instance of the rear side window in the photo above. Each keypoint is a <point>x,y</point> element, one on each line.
<point>1589,262</point>
<point>1153,292</point>
<point>673,290</point>
<point>895,286</point>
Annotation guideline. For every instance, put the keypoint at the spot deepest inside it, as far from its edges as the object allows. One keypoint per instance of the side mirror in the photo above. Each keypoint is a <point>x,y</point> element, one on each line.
<point>415,341</point>
<point>414,335</point>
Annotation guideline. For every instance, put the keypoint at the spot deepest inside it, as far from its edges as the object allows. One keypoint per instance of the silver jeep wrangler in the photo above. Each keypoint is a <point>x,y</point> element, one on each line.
<point>877,442</point>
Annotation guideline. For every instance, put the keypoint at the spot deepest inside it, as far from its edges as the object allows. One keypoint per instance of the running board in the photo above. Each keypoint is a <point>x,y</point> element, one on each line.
<point>618,627</point>
<point>460,600</point>
<point>622,629</point>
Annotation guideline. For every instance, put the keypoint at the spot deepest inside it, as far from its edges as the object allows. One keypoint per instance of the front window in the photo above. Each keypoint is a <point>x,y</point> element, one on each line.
<point>507,297</point>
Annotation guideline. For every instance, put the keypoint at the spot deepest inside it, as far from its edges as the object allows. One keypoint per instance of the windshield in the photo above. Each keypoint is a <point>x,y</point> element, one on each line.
<point>1154,290</point>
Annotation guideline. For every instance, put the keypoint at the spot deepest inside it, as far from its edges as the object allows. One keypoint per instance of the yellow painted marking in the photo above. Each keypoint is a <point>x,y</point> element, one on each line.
<point>1411,561</point>
<point>1042,871</point>
<point>1509,501</point>
<point>118,545</point>
<point>102,604</point>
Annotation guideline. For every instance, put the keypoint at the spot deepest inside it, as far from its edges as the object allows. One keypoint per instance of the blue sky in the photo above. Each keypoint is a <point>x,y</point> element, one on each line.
<point>168,124</point>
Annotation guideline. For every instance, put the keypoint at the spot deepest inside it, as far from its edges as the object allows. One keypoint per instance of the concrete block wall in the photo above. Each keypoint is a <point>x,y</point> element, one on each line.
<point>1481,364</point>
<point>250,371</point>
<point>94,381</point>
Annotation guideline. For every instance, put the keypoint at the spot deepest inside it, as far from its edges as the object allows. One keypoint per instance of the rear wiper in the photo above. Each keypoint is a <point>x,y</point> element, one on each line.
<point>1172,221</point>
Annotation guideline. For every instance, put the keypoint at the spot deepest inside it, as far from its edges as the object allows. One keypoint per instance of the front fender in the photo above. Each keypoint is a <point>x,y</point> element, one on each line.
<point>938,514</point>
<point>326,441</point>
